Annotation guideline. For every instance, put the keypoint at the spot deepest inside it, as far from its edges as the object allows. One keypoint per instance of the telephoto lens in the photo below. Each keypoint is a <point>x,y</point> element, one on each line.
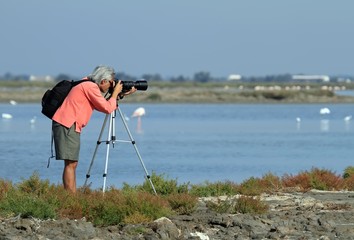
<point>140,85</point>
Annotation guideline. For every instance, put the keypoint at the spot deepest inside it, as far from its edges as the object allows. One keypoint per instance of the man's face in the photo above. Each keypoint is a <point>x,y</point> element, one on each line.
<point>106,84</point>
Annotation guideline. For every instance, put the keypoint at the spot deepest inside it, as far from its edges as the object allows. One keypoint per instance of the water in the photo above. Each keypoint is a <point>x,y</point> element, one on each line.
<point>349,93</point>
<point>188,142</point>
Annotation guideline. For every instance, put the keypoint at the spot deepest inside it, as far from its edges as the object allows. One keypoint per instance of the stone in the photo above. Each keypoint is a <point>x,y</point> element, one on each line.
<point>166,228</point>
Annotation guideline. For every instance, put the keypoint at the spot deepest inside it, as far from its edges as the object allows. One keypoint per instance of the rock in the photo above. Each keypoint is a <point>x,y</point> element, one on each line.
<point>166,229</point>
<point>199,235</point>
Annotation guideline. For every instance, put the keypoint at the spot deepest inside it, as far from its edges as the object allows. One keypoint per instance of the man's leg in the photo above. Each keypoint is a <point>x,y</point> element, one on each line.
<point>69,175</point>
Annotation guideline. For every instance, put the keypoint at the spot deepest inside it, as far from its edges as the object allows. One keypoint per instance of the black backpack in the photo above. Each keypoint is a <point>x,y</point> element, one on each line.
<point>54,98</point>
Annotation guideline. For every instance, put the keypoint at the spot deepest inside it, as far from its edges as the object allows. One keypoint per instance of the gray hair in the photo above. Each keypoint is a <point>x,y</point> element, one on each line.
<point>102,72</point>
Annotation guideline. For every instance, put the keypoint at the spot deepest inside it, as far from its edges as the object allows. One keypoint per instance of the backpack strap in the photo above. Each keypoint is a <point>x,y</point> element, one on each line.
<point>51,150</point>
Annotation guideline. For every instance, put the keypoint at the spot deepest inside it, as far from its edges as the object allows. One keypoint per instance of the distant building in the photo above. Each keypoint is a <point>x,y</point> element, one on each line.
<point>234,77</point>
<point>346,80</point>
<point>311,78</point>
<point>46,78</point>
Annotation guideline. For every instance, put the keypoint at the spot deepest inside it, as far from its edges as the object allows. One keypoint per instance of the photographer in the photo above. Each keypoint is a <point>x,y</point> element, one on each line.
<point>75,113</point>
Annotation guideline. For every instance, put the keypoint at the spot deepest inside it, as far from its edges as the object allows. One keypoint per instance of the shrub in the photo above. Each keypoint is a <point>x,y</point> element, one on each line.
<point>320,179</point>
<point>323,179</point>
<point>148,204</point>
<point>270,183</point>
<point>221,206</point>
<point>243,204</point>
<point>5,187</point>
<point>252,187</point>
<point>182,203</point>
<point>301,181</point>
<point>34,185</point>
<point>162,184</point>
<point>103,209</point>
<point>27,205</point>
<point>72,207</point>
<point>256,186</point>
<point>106,214</point>
<point>349,183</point>
<point>348,172</point>
<point>214,189</point>
<point>136,218</point>
<point>250,205</point>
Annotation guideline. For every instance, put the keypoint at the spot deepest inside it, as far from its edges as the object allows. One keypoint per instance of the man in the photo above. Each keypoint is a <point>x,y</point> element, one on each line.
<point>75,113</point>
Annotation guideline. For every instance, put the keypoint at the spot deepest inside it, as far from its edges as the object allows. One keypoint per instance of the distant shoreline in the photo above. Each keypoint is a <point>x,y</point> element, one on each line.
<point>189,98</point>
<point>197,94</point>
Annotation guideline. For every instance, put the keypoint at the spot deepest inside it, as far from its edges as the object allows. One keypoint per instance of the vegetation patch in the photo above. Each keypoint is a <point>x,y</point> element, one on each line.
<point>38,198</point>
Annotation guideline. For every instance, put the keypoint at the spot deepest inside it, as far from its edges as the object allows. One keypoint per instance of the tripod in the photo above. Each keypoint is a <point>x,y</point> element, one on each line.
<point>111,139</point>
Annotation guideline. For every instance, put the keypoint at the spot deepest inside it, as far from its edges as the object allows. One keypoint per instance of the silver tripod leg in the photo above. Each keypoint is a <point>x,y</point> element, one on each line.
<point>95,152</point>
<point>110,139</point>
<point>108,143</point>
<point>136,150</point>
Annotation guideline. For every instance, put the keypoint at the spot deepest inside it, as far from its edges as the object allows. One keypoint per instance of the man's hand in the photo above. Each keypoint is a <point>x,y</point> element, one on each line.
<point>117,89</point>
<point>131,91</point>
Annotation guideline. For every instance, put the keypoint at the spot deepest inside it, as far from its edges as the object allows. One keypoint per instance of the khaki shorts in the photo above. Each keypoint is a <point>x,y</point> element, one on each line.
<point>66,141</point>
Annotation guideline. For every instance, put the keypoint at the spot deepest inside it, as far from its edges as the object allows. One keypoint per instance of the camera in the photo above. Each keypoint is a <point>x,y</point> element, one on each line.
<point>140,85</point>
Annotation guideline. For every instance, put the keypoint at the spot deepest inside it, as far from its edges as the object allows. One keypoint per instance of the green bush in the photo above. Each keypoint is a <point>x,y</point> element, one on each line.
<point>214,189</point>
<point>348,172</point>
<point>106,214</point>
<point>252,187</point>
<point>147,204</point>
<point>323,179</point>
<point>182,203</point>
<point>5,187</point>
<point>34,185</point>
<point>242,204</point>
<point>27,205</point>
<point>162,184</point>
<point>221,206</point>
<point>250,205</point>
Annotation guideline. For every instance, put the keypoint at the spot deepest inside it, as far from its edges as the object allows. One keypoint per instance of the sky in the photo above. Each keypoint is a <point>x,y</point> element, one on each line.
<point>181,37</point>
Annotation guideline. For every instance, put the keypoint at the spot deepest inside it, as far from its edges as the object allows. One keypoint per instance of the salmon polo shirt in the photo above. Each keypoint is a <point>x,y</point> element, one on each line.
<point>80,103</point>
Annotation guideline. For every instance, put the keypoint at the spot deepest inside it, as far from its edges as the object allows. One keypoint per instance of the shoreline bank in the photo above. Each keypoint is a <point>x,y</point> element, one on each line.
<point>198,95</point>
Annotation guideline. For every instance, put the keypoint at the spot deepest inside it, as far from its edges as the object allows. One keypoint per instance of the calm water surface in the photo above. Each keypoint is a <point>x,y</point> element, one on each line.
<point>188,142</point>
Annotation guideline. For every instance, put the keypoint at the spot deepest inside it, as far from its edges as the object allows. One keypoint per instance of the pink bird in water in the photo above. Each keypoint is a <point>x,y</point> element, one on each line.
<point>138,113</point>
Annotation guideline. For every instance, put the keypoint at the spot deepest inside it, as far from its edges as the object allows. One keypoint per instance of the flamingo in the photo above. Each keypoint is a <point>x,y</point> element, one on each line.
<point>6,116</point>
<point>138,113</point>
<point>325,111</point>
<point>348,118</point>
<point>298,123</point>
<point>33,120</point>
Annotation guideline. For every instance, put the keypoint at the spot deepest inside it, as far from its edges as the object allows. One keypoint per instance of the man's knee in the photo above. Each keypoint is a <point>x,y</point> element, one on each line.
<point>70,164</point>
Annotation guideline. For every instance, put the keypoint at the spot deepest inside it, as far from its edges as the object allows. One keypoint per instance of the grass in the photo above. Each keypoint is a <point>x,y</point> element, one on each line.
<point>38,198</point>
